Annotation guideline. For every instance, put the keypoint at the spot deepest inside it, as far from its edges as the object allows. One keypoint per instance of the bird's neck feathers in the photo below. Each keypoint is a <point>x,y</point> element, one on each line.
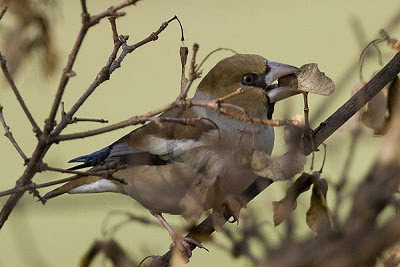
<point>252,100</point>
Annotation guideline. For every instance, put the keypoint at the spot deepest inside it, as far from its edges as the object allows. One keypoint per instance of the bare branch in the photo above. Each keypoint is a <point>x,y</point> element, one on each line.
<point>43,144</point>
<point>130,48</point>
<point>79,174</point>
<point>114,29</point>
<point>193,75</point>
<point>84,7</point>
<point>355,103</point>
<point>132,121</point>
<point>10,136</point>
<point>215,105</point>
<point>66,75</point>
<point>87,22</point>
<point>111,11</point>
<point>10,81</point>
<point>211,53</point>
<point>104,174</point>
<point>101,77</point>
<point>75,120</point>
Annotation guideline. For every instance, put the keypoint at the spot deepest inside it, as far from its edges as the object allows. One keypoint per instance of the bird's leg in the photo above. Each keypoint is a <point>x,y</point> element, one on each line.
<point>184,244</point>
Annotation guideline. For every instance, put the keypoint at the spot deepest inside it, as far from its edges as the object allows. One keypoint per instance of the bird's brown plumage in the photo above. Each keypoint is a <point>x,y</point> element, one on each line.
<point>185,169</point>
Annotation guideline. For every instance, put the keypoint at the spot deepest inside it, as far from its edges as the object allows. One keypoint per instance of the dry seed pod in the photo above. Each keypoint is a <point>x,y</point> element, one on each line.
<point>309,79</point>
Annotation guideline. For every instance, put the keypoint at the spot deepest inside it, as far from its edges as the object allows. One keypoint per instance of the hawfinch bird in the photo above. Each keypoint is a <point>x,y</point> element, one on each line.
<point>186,169</point>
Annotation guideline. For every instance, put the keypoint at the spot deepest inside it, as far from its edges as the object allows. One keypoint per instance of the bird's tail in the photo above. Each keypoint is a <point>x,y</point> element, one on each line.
<point>82,185</point>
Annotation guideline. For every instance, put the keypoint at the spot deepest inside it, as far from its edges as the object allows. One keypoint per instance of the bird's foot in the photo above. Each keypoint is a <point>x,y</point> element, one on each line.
<point>184,245</point>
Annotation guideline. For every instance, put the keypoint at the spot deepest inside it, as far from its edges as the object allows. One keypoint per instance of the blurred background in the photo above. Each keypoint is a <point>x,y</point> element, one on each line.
<point>331,34</point>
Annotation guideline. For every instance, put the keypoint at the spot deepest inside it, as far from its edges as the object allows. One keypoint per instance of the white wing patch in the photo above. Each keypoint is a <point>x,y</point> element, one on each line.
<point>168,147</point>
<point>102,185</point>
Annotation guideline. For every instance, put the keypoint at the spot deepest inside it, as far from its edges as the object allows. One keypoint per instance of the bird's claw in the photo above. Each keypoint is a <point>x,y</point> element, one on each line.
<point>184,245</point>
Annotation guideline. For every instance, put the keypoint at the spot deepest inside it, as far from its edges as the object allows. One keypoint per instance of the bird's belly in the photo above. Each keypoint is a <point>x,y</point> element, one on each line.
<point>169,188</point>
<point>159,188</point>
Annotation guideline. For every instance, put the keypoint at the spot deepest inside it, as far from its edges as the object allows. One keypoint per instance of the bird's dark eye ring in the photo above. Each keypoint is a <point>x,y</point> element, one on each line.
<point>249,79</point>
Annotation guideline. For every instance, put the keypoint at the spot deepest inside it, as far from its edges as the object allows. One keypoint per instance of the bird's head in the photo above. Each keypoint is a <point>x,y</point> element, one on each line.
<point>253,73</point>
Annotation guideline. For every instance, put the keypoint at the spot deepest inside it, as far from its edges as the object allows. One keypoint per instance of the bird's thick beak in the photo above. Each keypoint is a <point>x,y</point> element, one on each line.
<point>276,71</point>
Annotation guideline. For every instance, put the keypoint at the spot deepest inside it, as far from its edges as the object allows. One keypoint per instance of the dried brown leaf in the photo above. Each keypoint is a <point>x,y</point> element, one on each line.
<point>278,168</point>
<point>285,206</point>
<point>376,113</point>
<point>309,79</point>
<point>318,217</point>
<point>373,115</point>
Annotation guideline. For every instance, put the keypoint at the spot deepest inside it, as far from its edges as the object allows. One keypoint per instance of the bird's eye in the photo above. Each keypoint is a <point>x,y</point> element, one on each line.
<point>249,79</point>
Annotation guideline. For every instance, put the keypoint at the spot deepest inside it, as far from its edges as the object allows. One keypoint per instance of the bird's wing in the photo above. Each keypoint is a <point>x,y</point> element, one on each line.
<point>152,144</point>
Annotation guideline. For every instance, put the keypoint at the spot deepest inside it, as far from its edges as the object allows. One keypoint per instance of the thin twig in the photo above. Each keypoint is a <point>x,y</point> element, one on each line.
<point>183,53</point>
<point>10,136</point>
<point>363,54</point>
<point>211,53</point>
<point>104,174</point>
<point>101,77</point>
<point>87,22</point>
<point>130,48</point>
<point>114,29</point>
<point>84,7</point>
<point>111,11</point>
<point>66,75</point>
<point>150,116</point>
<point>31,186</point>
<point>44,167</point>
<point>75,120</point>
<point>43,144</point>
<point>307,127</point>
<point>324,158</point>
<point>11,82</point>
<point>193,75</point>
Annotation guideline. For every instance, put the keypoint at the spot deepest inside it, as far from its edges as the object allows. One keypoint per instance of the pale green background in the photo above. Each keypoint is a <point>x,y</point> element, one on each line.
<point>294,32</point>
